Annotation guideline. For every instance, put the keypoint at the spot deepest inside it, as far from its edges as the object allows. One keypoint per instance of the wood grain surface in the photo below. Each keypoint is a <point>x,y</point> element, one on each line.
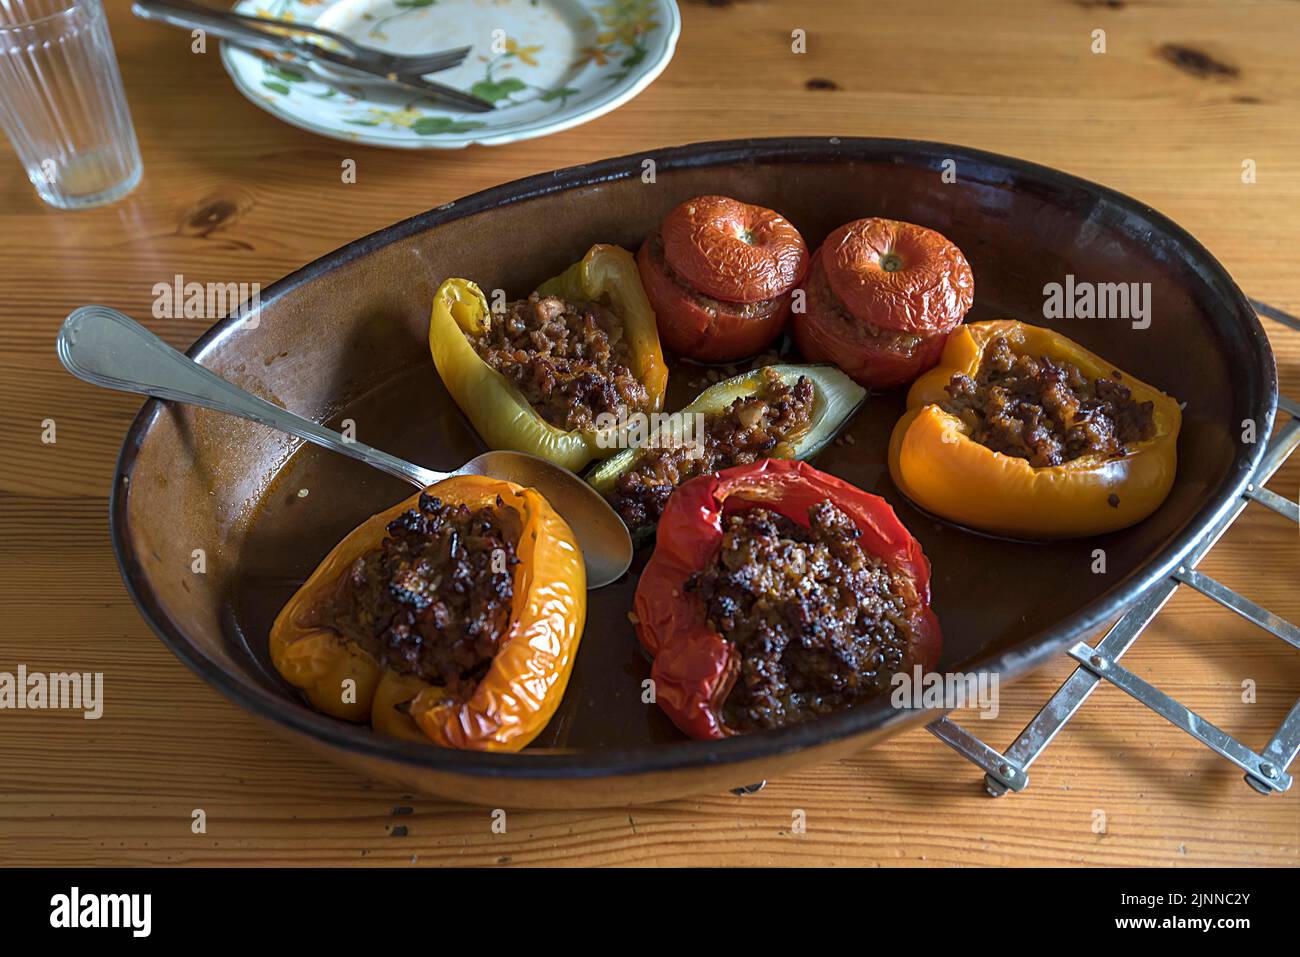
<point>1184,94</point>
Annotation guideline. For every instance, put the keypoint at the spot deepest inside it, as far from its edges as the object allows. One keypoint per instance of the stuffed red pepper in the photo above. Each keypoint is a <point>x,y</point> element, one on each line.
<point>777,593</point>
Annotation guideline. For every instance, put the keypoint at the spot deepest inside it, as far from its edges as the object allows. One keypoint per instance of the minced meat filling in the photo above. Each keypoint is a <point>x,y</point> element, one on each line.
<point>570,360</point>
<point>819,623</point>
<point>746,431</point>
<point>1046,410</point>
<point>434,599</point>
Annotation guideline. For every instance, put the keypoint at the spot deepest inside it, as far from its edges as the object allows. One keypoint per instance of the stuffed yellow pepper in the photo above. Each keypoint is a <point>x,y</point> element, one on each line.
<point>452,617</point>
<point>1020,431</point>
<point>556,374</point>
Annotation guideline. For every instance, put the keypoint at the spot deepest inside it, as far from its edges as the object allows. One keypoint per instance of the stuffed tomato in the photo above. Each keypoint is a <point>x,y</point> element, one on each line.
<point>882,297</point>
<point>720,274</point>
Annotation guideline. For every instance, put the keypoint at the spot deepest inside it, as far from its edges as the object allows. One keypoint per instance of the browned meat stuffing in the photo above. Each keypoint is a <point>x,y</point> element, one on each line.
<point>819,623</point>
<point>434,599</point>
<point>1046,410</point>
<point>570,360</point>
<point>746,431</point>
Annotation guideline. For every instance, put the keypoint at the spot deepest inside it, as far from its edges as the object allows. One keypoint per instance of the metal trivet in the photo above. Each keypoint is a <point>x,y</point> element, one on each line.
<point>1266,772</point>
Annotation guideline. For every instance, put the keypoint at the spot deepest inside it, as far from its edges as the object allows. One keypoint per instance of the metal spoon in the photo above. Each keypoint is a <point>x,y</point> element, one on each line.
<point>107,348</point>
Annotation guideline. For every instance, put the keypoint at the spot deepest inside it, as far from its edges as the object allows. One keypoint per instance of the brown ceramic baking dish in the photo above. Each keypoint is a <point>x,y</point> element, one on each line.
<point>345,338</point>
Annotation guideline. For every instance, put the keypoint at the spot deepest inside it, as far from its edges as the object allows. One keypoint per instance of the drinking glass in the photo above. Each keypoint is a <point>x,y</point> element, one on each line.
<point>61,102</point>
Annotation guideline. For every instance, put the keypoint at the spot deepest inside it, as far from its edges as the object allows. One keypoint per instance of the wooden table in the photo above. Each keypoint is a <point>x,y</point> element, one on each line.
<point>1184,94</point>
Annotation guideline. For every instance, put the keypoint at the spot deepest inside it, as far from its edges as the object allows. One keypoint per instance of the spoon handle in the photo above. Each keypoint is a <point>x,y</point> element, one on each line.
<point>107,348</point>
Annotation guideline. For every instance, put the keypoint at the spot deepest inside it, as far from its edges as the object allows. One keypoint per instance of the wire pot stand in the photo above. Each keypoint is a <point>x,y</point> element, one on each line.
<point>1267,771</point>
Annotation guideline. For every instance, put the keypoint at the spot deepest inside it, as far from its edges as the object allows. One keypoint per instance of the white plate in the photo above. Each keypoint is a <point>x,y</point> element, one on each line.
<point>547,64</point>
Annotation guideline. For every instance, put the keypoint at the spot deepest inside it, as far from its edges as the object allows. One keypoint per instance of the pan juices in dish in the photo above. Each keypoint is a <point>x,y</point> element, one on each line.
<point>535,375</point>
<point>453,617</point>
<point>1020,431</point>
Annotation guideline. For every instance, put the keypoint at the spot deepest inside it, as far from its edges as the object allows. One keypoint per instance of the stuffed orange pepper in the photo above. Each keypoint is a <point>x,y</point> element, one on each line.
<point>1020,431</point>
<point>452,617</point>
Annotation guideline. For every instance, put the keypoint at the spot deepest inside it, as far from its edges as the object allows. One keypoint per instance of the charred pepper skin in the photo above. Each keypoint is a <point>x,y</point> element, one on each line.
<point>523,686</point>
<point>935,463</point>
<point>694,666</point>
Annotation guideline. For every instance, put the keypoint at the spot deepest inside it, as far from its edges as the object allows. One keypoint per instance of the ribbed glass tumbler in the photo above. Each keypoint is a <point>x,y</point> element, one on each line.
<point>61,102</point>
